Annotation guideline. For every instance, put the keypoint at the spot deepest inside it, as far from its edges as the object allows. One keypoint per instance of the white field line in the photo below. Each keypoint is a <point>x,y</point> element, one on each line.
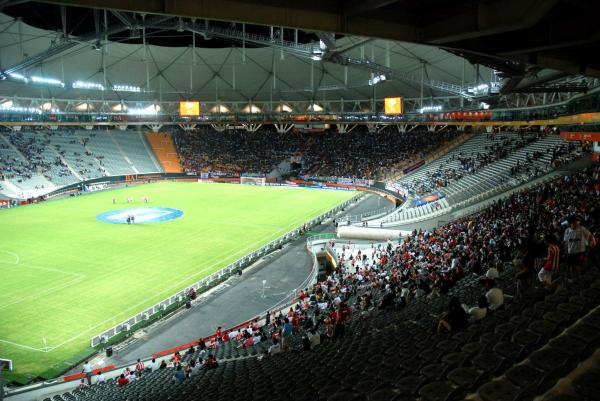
<point>47,291</point>
<point>24,346</point>
<point>168,289</point>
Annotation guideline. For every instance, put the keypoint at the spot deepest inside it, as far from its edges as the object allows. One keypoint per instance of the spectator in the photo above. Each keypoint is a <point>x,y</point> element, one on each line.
<point>179,375</point>
<point>275,348</point>
<point>480,311</point>
<point>122,381</point>
<point>576,238</point>
<point>87,371</point>
<point>100,378</point>
<point>494,295</point>
<point>552,262</point>
<point>455,319</point>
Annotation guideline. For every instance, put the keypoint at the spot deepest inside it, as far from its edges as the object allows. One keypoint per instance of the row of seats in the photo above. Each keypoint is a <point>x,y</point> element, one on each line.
<point>70,157</point>
<point>491,179</point>
<point>516,353</point>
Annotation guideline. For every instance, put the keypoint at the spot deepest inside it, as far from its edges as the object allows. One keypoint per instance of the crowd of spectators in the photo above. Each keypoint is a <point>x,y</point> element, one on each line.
<point>524,229</point>
<point>37,160</point>
<point>461,163</point>
<point>356,154</point>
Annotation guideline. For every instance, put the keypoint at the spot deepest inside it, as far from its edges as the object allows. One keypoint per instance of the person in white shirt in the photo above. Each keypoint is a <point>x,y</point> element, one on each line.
<point>314,337</point>
<point>154,365</point>
<point>87,370</point>
<point>494,295</point>
<point>100,378</point>
<point>274,348</point>
<point>492,273</point>
<point>576,239</point>
<point>478,312</point>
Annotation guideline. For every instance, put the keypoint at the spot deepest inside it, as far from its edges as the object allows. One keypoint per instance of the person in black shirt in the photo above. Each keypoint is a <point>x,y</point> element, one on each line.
<point>455,319</point>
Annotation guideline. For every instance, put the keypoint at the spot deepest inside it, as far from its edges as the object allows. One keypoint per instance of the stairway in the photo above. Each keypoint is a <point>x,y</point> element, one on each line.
<point>164,149</point>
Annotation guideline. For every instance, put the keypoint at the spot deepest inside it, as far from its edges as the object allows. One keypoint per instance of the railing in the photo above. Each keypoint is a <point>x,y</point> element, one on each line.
<point>177,298</point>
<point>372,214</point>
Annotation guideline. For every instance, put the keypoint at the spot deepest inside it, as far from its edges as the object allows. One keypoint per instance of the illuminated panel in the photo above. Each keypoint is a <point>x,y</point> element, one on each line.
<point>189,109</point>
<point>393,105</point>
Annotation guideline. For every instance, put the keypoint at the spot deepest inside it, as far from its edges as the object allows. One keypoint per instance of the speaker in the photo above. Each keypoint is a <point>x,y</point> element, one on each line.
<point>188,304</point>
<point>109,352</point>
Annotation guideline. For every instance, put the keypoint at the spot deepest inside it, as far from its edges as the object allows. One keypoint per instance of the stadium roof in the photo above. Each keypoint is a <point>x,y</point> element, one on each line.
<point>158,57</point>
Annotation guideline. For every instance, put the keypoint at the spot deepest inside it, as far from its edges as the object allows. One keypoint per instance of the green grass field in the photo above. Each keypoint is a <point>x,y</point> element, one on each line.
<point>65,276</point>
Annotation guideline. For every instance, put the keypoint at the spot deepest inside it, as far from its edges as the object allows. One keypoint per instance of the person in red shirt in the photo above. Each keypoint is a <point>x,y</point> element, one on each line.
<point>122,381</point>
<point>219,334</point>
<point>139,366</point>
<point>211,362</point>
<point>176,357</point>
<point>552,262</point>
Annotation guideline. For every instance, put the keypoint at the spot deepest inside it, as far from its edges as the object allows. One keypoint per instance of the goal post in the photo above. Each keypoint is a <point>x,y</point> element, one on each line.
<point>253,180</point>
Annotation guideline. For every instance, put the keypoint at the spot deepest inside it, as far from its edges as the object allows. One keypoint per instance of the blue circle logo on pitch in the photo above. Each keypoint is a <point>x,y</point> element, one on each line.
<point>140,215</point>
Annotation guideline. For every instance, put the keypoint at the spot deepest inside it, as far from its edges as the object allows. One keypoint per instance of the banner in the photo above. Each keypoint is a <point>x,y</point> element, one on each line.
<point>423,200</point>
<point>580,136</point>
<point>413,167</point>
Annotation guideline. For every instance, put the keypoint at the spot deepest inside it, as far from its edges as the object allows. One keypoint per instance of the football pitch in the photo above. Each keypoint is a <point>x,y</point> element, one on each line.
<point>66,276</point>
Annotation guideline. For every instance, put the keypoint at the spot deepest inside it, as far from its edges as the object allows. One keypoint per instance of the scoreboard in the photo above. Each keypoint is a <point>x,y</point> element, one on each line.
<point>189,109</point>
<point>393,105</point>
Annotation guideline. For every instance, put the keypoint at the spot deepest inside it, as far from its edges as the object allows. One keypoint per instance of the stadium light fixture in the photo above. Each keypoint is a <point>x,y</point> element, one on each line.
<point>87,85</point>
<point>283,108</point>
<point>47,107</point>
<point>427,109</point>
<point>47,81</point>
<point>377,79</point>
<point>220,109</point>
<point>153,109</point>
<point>18,77</point>
<point>315,107</point>
<point>126,88</point>
<point>251,108</point>
<point>13,109</point>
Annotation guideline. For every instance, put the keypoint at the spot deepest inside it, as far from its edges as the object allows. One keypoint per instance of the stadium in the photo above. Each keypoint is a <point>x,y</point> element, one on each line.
<point>339,200</point>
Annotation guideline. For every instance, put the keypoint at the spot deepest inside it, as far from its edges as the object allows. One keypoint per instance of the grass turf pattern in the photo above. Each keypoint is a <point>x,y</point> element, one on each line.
<point>65,276</point>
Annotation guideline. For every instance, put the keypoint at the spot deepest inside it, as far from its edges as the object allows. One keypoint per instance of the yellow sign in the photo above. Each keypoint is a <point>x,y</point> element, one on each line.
<point>393,105</point>
<point>189,109</point>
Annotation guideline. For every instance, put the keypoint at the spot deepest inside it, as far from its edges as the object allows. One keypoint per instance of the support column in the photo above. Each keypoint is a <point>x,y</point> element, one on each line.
<point>186,127</point>
<point>155,127</point>
<point>251,127</point>
<point>283,128</point>
<point>372,128</point>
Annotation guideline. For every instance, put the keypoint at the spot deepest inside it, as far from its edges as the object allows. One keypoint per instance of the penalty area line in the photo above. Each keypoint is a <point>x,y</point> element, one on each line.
<point>26,346</point>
